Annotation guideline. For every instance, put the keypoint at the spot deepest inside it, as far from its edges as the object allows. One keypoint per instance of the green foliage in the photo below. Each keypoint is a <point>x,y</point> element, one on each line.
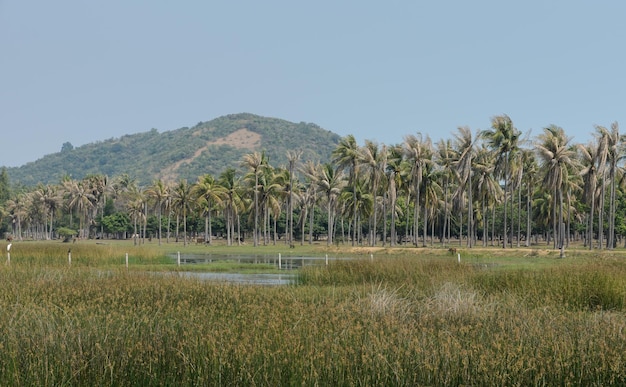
<point>4,186</point>
<point>116,223</point>
<point>66,233</point>
<point>199,150</point>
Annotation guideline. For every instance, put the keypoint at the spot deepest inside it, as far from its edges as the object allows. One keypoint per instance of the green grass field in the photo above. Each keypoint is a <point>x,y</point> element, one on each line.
<point>405,316</point>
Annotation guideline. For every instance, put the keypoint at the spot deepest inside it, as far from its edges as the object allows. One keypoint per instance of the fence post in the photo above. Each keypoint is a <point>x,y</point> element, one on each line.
<point>126,261</point>
<point>326,259</point>
<point>280,261</point>
<point>178,258</point>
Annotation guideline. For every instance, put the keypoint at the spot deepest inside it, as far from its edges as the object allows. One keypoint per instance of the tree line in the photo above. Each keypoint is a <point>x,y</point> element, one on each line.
<point>488,187</point>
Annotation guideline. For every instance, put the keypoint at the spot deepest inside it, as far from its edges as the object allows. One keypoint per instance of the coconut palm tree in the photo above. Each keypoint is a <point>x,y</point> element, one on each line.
<point>395,166</point>
<point>503,139</point>
<point>17,208</point>
<point>182,201</point>
<point>330,183</point>
<point>255,162</point>
<point>487,187</point>
<point>232,201</point>
<point>431,190</point>
<point>271,188</point>
<point>372,159</point>
<point>49,198</point>
<point>418,152</point>
<point>557,160</point>
<point>136,208</point>
<point>346,156</point>
<point>364,205</point>
<point>614,151</point>
<point>101,187</point>
<point>464,148</point>
<point>308,170</point>
<point>589,156</point>
<point>445,158</point>
<point>159,193</point>
<point>529,181</point>
<point>208,194</point>
<point>81,198</point>
<point>292,159</point>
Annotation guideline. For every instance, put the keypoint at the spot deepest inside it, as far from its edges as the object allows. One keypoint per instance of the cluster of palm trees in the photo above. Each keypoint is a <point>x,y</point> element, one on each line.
<point>492,186</point>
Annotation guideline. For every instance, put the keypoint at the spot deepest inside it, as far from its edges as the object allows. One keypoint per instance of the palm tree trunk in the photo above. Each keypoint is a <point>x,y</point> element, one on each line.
<point>601,218</point>
<point>528,214</point>
<point>311,216</point>
<point>506,188</point>
<point>425,225</point>
<point>591,213</point>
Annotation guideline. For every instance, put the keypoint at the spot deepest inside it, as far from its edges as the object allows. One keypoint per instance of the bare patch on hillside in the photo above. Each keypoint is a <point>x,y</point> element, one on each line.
<point>240,139</point>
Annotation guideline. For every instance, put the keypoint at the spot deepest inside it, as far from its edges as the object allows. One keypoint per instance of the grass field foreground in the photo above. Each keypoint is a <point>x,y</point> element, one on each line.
<point>412,317</point>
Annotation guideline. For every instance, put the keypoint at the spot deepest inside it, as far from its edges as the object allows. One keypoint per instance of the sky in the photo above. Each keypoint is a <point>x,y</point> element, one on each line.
<point>85,71</point>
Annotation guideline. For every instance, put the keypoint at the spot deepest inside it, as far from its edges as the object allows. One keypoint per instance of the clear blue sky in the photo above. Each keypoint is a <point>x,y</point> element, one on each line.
<point>84,71</point>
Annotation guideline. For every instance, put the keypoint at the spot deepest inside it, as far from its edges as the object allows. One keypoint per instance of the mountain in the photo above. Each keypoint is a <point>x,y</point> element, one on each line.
<point>209,147</point>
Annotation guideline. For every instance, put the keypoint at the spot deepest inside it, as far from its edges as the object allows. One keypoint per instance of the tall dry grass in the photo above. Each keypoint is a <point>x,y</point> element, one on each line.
<point>399,321</point>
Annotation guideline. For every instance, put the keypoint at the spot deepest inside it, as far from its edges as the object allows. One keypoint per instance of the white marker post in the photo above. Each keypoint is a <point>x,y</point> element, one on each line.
<point>126,261</point>
<point>69,256</point>
<point>326,259</point>
<point>9,254</point>
<point>178,259</point>
<point>280,261</point>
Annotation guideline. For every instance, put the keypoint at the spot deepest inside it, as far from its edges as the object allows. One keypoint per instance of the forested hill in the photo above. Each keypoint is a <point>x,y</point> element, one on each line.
<point>209,147</point>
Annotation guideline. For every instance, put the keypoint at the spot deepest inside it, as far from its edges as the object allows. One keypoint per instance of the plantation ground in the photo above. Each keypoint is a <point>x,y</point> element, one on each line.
<point>405,316</point>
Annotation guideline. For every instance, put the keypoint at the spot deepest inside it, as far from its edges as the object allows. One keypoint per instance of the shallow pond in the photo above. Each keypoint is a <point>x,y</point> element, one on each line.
<point>246,279</point>
<point>285,263</point>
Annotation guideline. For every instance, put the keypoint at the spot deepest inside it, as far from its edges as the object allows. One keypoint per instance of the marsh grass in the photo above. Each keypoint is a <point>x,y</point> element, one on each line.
<point>404,320</point>
<point>56,254</point>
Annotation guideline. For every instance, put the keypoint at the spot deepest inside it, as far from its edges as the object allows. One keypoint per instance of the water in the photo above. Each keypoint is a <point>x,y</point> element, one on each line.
<point>244,279</point>
<point>286,263</point>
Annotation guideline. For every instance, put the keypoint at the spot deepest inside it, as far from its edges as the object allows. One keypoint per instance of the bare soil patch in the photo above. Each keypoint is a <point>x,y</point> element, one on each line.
<point>240,139</point>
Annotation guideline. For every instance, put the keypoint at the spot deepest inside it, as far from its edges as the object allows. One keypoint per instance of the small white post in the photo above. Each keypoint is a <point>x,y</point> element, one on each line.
<point>178,259</point>
<point>280,261</point>
<point>9,254</point>
<point>326,259</point>
<point>126,261</point>
<point>458,257</point>
<point>372,257</point>
<point>69,257</point>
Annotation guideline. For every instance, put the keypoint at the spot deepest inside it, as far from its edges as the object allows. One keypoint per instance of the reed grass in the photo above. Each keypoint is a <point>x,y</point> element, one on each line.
<point>402,320</point>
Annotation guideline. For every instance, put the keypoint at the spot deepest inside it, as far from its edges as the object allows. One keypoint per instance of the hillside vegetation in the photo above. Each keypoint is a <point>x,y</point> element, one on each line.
<point>209,147</point>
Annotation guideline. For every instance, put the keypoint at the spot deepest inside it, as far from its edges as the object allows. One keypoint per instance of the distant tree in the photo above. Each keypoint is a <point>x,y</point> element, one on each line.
<point>158,192</point>
<point>66,233</point>
<point>116,223</point>
<point>209,194</point>
<point>182,201</point>
<point>255,162</point>
<point>503,139</point>
<point>67,146</point>
<point>4,186</point>
<point>556,159</point>
<point>346,157</point>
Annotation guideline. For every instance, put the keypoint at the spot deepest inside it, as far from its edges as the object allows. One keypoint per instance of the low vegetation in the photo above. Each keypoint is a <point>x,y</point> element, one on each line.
<point>386,317</point>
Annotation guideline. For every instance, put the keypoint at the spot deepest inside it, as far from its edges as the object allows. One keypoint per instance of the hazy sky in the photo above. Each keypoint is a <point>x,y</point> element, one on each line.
<point>83,71</point>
